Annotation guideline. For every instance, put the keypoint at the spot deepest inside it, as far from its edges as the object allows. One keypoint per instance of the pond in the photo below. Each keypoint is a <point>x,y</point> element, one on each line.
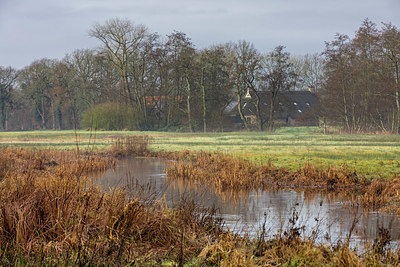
<point>327,218</point>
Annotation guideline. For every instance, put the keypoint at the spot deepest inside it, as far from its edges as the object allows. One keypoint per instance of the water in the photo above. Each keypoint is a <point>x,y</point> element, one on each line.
<point>326,218</point>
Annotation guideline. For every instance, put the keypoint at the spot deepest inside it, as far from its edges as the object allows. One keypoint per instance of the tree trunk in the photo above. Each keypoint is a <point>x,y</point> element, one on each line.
<point>271,113</point>
<point>258,109</point>
<point>43,114</point>
<point>6,122</point>
<point>189,111</point>
<point>346,115</point>
<point>240,109</point>
<point>3,116</point>
<point>203,89</point>
<point>53,117</point>
<point>397,95</point>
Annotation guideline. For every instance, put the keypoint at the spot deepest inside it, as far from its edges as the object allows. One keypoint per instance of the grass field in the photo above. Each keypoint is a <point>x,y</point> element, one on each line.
<point>375,156</point>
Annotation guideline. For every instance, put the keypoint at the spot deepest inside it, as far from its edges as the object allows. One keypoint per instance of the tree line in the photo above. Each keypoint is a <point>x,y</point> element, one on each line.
<point>138,79</point>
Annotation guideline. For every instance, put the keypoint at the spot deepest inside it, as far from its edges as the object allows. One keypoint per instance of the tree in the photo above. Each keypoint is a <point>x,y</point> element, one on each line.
<point>8,77</point>
<point>358,86</point>
<point>91,79</point>
<point>181,55</point>
<point>215,90</point>
<point>339,96</point>
<point>310,71</point>
<point>36,83</point>
<point>391,47</point>
<point>121,42</point>
<point>248,66</point>
<point>144,75</point>
<point>279,75</point>
<point>370,78</point>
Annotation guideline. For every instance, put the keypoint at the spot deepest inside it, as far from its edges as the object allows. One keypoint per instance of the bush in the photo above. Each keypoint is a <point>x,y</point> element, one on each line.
<point>112,116</point>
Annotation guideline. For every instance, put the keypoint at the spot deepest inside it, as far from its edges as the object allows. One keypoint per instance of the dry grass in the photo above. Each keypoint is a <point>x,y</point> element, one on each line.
<point>228,173</point>
<point>51,213</point>
<point>383,195</point>
<point>231,250</point>
<point>136,146</point>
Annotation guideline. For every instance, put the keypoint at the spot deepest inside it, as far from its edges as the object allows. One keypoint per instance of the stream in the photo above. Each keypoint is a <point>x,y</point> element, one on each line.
<point>326,218</point>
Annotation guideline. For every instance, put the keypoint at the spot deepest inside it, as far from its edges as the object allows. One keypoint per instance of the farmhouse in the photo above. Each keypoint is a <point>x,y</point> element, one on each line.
<point>298,108</point>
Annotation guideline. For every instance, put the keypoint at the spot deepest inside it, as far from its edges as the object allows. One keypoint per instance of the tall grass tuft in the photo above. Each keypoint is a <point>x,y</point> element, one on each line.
<point>137,145</point>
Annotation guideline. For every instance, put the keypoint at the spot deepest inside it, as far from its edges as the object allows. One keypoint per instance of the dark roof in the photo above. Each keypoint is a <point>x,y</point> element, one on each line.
<point>287,104</point>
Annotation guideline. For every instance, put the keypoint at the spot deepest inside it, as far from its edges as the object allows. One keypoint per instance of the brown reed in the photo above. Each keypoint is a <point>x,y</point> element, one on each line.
<point>136,145</point>
<point>52,213</point>
<point>226,172</point>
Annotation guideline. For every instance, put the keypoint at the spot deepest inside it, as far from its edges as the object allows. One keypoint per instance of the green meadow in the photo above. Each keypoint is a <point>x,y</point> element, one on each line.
<point>375,156</point>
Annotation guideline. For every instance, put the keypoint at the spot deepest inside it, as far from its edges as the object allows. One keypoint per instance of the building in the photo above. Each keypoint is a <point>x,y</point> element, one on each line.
<point>291,108</point>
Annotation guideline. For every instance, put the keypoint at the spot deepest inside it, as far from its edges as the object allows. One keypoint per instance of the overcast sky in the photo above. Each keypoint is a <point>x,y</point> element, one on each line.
<point>35,29</point>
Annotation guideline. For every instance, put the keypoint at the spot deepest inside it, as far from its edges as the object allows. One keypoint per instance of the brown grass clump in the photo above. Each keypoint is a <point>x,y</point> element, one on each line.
<point>225,172</point>
<point>52,213</point>
<point>383,195</point>
<point>220,170</point>
<point>284,250</point>
<point>131,146</point>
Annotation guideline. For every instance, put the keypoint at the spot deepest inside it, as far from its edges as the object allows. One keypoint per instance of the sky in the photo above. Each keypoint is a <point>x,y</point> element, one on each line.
<point>36,29</point>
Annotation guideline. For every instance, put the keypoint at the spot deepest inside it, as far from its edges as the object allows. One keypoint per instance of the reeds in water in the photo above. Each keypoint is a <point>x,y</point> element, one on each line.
<point>52,214</point>
<point>136,145</point>
<point>225,172</point>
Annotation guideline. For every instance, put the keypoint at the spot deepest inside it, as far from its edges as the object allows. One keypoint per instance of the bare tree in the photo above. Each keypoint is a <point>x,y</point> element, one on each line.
<point>121,41</point>
<point>339,90</point>
<point>279,76</point>
<point>215,92</point>
<point>36,83</point>
<point>247,66</point>
<point>181,55</point>
<point>360,84</point>
<point>310,71</point>
<point>8,77</point>
<point>391,48</point>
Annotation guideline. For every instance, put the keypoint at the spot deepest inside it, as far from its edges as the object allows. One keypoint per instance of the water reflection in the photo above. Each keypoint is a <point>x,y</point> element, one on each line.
<point>328,215</point>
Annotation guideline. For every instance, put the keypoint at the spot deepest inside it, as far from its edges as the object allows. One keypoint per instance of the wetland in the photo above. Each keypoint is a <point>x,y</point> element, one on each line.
<point>327,217</point>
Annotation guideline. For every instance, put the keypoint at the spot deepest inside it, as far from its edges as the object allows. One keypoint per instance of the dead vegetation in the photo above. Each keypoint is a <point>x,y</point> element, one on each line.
<point>225,172</point>
<point>51,213</point>
<point>136,146</point>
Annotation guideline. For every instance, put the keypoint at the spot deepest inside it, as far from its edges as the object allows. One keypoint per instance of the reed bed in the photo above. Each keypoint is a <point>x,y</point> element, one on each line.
<point>51,213</point>
<point>288,249</point>
<point>136,146</point>
<point>225,172</point>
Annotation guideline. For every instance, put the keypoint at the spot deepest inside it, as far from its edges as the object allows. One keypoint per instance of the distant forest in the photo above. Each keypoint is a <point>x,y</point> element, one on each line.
<point>139,80</point>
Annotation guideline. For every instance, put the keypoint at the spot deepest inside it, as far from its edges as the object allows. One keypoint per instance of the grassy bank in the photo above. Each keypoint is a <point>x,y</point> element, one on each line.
<point>51,213</point>
<point>226,173</point>
<point>375,156</point>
